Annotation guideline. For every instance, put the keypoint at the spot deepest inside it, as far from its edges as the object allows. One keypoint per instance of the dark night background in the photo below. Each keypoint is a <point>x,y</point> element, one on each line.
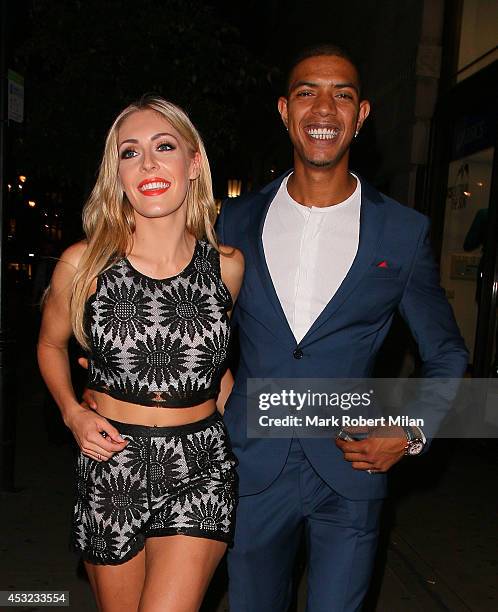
<point>84,61</point>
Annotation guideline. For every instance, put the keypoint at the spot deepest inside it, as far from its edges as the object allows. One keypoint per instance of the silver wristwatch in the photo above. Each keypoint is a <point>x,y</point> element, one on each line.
<point>415,441</point>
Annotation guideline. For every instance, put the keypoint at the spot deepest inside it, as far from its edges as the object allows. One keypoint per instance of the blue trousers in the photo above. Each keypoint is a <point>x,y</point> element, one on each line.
<point>341,538</point>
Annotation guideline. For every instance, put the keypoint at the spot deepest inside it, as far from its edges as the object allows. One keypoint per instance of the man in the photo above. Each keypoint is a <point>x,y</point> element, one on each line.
<point>328,262</point>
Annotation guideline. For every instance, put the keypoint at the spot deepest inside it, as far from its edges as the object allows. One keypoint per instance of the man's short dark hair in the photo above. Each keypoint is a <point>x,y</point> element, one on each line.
<point>329,49</point>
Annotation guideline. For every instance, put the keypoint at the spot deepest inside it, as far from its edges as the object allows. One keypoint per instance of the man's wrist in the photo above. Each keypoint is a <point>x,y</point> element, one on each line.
<point>419,433</point>
<point>415,441</point>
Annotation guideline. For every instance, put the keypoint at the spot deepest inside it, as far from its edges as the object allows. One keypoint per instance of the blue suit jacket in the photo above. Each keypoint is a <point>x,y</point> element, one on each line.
<point>345,338</point>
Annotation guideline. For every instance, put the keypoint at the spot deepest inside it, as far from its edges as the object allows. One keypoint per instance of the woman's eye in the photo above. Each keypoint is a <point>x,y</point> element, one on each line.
<point>128,154</point>
<point>165,146</point>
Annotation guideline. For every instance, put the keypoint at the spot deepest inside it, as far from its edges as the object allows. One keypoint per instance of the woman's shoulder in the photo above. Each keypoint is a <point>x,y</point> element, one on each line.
<point>232,268</point>
<point>66,268</point>
<point>231,260</point>
<point>73,254</point>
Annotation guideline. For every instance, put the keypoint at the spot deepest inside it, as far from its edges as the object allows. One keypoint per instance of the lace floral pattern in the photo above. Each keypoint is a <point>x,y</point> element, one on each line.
<point>181,483</point>
<point>160,342</point>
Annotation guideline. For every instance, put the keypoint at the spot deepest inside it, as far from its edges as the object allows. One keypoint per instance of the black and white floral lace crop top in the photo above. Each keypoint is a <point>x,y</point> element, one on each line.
<point>160,343</point>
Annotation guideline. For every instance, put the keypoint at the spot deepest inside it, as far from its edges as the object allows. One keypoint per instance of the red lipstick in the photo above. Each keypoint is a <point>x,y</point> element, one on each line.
<point>153,186</point>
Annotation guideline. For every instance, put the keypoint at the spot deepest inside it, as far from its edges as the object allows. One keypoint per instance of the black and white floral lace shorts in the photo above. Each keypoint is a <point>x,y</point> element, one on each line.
<point>167,481</point>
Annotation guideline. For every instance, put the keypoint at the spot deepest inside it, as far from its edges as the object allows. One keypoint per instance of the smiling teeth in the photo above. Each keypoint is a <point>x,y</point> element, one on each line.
<point>323,133</point>
<point>151,186</point>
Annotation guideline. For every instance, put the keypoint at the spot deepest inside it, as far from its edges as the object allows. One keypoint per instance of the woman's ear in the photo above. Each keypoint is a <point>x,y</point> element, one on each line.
<point>195,166</point>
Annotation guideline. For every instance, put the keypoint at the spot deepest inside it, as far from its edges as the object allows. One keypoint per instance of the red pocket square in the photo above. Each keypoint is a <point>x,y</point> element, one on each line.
<point>383,264</point>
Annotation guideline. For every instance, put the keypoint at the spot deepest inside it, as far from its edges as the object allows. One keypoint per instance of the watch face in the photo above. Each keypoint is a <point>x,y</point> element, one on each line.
<point>415,447</point>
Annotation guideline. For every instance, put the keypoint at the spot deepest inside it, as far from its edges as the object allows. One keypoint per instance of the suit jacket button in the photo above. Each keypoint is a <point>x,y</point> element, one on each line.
<point>298,354</point>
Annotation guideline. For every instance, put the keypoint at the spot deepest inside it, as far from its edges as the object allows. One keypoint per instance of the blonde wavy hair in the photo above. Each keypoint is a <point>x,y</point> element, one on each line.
<point>108,217</point>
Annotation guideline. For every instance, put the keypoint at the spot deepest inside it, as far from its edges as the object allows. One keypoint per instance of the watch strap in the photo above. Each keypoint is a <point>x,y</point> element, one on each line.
<point>414,437</point>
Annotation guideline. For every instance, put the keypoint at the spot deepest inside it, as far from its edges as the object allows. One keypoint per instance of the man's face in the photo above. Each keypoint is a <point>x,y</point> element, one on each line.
<point>322,110</point>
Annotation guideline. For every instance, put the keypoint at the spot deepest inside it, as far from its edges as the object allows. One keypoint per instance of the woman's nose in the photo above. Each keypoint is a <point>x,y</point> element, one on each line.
<point>149,162</point>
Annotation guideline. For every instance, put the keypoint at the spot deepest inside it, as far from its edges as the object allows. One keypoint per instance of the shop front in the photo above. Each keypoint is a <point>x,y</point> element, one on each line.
<point>464,208</point>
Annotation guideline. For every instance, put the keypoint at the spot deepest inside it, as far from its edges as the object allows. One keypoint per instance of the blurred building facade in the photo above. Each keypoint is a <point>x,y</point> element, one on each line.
<point>460,191</point>
<point>34,219</point>
<point>431,72</point>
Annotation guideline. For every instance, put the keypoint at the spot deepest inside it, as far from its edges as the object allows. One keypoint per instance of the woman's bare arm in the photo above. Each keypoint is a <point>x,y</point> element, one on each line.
<point>232,274</point>
<point>232,269</point>
<point>53,361</point>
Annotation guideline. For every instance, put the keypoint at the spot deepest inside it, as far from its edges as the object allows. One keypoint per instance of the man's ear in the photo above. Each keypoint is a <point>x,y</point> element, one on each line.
<point>282,109</point>
<point>195,166</point>
<point>363,113</point>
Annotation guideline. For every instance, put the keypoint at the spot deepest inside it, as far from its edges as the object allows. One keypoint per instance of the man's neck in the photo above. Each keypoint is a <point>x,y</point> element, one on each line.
<point>320,187</point>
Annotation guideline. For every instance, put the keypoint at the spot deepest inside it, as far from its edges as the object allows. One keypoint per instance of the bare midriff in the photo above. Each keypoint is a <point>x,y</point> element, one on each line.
<point>126,412</point>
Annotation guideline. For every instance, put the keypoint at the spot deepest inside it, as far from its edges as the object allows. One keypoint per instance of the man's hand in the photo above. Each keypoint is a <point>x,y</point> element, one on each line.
<point>88,399</point>
<point>384,447</point>
<point>83,362</point>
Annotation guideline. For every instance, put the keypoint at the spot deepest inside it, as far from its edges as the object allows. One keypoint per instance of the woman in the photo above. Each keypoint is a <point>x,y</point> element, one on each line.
<point>148,294</point>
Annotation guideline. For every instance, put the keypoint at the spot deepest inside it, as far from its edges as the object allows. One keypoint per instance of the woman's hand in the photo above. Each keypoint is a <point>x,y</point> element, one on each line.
<point>95,436</point>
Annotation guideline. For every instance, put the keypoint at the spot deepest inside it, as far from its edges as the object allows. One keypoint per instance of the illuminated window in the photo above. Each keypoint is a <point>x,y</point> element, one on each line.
<point>478,37</point>
<point>234,188</point>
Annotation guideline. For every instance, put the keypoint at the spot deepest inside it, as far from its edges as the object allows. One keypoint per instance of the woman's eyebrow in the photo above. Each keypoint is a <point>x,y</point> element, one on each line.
<point>155,137</point>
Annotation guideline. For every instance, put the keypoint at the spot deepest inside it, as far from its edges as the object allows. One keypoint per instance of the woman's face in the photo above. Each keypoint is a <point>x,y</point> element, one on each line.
<point>155,164</point>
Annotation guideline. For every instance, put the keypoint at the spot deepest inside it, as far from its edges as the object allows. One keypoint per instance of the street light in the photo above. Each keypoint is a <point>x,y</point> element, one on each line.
<point>234,188</point>
<point>31,203</point>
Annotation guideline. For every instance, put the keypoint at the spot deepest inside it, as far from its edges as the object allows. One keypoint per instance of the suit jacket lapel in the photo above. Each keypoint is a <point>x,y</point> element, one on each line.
<point>371,222</point>
<point>259,213</point>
